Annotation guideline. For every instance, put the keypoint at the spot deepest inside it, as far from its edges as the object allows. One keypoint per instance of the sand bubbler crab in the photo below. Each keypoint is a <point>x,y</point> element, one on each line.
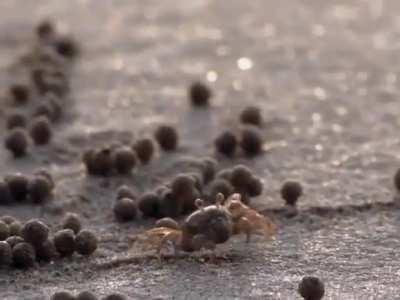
<point>208,226</point>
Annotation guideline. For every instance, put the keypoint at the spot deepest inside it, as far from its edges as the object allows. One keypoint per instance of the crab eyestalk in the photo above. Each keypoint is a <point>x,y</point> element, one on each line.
<point>199,204</point>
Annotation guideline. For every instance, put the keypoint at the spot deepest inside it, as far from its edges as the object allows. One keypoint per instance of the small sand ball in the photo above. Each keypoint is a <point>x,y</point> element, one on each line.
<point>167,137</point>
<point>62,295</point>
<point>46,251</point>
<point>7,219</point>
<point>5,253</point>
<point>255,187</point>
<point>5,194</point>
<point>14,240</point>
<point>4,231</point>
<point>251,115</point>
<point>115,296</point>
<point>241,176</point>
<point>222,186</point>
<point>46,174</point>
<point>125,192</point>
<point>23,255</point>
<point>125,209</point>
<point>15,228</point>
<point>149,205</point>
<point>17,142</point>
<point>39,189</point>
<point>199,94</point>
<point>311,288</point>
<point>171,205</point>
<point>225,174</point>
<point>86,295</point>
<point>41,131</point>
<point>102,161</point>
<point>35,232</point>
<point>182,184</point>
<point>16,120</point>
<point>86,242</point>
<point>226,143</point>
<point>209,168</point>
<point>144,150</point>
<point>72,221</point>
<point>67,47</point>
<point>291,191</point>
<point>64,240</point>
<point>19,93</point>
<point>18,185</point>
<point>251,141</point>
<point>124,160</point>
<point>167,222</point>
<point>45,30</point>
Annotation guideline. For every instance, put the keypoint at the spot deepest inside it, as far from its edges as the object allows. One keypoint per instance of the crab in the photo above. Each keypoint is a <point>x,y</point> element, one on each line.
<point>208,226</point>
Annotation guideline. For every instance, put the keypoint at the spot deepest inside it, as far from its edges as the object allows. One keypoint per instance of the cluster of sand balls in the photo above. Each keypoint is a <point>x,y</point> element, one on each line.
<point>19,188</point>
<point>108,160</point>
<point>249,138</point>
<point>85,295</point>
<point>48,66</point>
<point>23,244</point>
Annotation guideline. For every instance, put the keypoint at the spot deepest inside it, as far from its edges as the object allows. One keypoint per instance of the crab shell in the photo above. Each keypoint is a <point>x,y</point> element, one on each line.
<point>213,222</point>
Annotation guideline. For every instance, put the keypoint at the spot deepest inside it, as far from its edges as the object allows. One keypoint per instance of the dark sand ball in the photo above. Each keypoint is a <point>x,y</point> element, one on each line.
<point>311,288</point>
<point>125,209</point>
<point>72,221</point>
<point>102,161</point>
<point>46,174</point>
<point>45,30</point>
<point>35,232</point>
<point>15,228</point>
<point>64,241</point>
<point>4,231</point>
<point>124,160</point>
<point>149,205</point>
<point>15,120</point>
<point>86,295</point>
<point>167,137</point>
<point>255,187</point>
<point>18,185</point>
<point>199,94</point>
<point>41,131</point>
<point>62,295</point>
<point>86,242</point>
<point>14,240</point>
<point>39,189</point>
<point>115,296</point>
<point>251,141</point>
<point>5,194</point>
<point>144,149</point>
<point>209,168</point>
<point>251,115</point>
<point>7,219</point>
<point>167,222</point>
<point>397,180</point>
<point>87,159</point>
<point>171,205</point>
<point>46,251</point>
<point>125,192</point>
<point>17,142</point>
<point>182,184</point>
<point>222,186</point>
<point>20,93</point>
<point>5,253</point>
<point>226,143</point>
<point>291,191</point>
<point>67,47</point>
<point>241,176</point>
<point>225,174</point>
<point>23,255</point>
